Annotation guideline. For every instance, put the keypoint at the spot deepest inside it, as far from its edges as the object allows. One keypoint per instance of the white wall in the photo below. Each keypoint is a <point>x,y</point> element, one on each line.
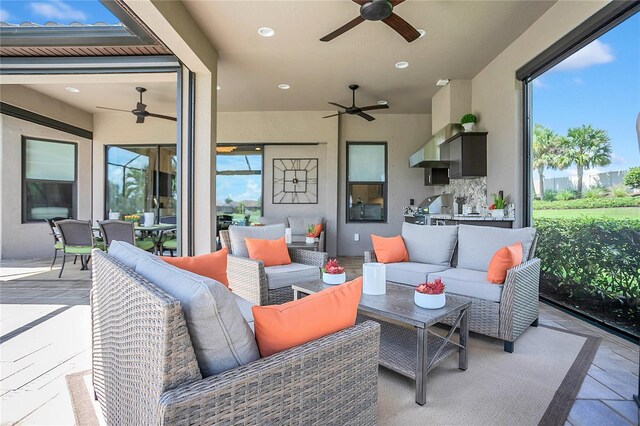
<point>404,134</point>
<point>28,240</point>
<point>497,95</point>
<point>121,129</point>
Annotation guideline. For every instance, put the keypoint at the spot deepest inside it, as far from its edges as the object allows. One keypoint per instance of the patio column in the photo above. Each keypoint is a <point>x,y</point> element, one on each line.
<point>174,26</point>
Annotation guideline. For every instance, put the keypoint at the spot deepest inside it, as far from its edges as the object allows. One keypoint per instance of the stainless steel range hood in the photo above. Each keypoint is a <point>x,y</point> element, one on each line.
<point>429,154</point>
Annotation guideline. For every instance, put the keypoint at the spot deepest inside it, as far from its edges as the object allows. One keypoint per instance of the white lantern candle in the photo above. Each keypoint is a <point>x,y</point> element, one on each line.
<point>287,235</point>
<point>374,278</point>
<point>149,218</point>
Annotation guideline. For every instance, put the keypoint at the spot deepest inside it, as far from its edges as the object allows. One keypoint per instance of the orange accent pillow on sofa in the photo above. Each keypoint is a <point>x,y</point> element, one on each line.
<point>317,230</point>
<point>389,250</point>
<point>281,327</point>
<point>212,265</point>
<point>271,252</point>
<point>503,260</point>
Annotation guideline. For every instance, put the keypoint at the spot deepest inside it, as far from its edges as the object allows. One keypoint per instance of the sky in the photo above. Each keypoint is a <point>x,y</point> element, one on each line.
<point>598,85</point>
<point>62,12</point>
<point>238,187</point>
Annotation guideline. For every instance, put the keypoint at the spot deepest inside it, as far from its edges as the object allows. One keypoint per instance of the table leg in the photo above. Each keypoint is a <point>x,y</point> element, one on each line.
<point>296,294</point>
<point>464,341</point>
<point>421,367</point>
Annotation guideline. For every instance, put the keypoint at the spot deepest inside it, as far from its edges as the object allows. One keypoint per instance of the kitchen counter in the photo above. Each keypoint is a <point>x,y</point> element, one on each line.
<point>469,217</point>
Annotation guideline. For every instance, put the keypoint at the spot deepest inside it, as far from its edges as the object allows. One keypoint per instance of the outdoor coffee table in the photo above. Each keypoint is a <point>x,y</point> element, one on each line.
<point>408,345</point>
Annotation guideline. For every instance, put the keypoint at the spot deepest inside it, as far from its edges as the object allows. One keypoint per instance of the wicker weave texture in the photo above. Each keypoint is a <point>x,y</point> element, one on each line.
<point>141,345</point>
<point>330,381</point>
<point>519,303</point>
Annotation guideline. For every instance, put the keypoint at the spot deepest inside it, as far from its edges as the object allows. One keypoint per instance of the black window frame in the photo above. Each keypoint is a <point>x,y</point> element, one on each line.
<point>25,181</point>
<point>385,184</point>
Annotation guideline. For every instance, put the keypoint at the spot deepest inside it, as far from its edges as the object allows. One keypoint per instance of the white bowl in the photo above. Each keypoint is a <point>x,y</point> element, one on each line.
<point>334,279</point>
<point>430,301</point>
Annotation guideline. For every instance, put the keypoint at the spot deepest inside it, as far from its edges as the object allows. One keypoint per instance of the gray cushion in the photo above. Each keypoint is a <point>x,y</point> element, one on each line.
<point>221,337</point>
<point>285,275</point>
<point>237,234</point>
<point>127,254</point>
<point>411,273</point>
<point>245,309</point>
<point>299,224</point>
<point>478,244</point>
<point>468,282</point>
<point>430,244</point>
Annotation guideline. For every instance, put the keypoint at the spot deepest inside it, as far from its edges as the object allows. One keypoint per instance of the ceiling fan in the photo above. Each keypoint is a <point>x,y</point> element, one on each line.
<point>378,10</point>
<point>140,110</point>
<point>354,110</point>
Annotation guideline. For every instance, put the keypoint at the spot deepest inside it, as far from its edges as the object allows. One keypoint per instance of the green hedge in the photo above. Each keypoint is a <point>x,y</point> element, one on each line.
<point>591,257</point>
<point>587,203</point>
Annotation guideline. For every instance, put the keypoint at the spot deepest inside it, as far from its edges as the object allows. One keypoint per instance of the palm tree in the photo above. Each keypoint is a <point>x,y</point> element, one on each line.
<point>585,147</point>
<point>546,146</point>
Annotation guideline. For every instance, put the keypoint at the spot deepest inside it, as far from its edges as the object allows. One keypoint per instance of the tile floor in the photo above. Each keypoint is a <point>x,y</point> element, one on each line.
<point>45,335</point>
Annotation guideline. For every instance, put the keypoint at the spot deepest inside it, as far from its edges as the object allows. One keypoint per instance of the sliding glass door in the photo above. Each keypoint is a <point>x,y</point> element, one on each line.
<point>141,178</point>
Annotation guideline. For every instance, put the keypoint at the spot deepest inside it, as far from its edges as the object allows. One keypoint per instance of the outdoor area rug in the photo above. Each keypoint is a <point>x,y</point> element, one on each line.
<point>537,384</point>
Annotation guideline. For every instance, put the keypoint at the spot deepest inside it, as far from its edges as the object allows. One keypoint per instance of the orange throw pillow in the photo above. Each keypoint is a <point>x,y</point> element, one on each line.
<point>503,260</point>
<point>271,252</point>
<point>212,265</point>
<point>317,230</point>
<point>281,327</point>
<point>390,250</point>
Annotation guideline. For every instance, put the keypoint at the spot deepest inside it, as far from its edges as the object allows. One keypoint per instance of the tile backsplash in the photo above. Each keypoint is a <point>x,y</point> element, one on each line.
<point>474,190</point>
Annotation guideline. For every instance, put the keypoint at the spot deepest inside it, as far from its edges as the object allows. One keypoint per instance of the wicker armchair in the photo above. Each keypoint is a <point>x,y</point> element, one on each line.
<point>145,371</point>
<point>247,277</point>
<point>518,306</point>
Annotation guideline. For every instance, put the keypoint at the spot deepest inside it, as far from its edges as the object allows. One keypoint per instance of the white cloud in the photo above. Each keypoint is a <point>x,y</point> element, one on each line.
<point>594,53</point>
<point>539,84</point>
<point>617,159</point>
<point>57,10</point>
<point>578,80</point>
<point>4,15</point>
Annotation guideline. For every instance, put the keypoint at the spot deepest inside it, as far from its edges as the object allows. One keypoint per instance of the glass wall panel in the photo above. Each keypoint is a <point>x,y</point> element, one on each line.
<point>586,178</point>
<point>238,184</point>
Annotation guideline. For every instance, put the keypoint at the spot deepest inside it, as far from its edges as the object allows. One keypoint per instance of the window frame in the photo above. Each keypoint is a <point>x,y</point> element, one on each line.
<point>385,183</point>
<point>231,172</point>
<point>25,181</point>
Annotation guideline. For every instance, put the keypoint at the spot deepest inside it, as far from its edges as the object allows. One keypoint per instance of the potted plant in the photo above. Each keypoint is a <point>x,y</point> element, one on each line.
<point>430,295</point>
<point>333,273</point>
<point>496,210</point>
<point>310,239</point>
<point>134,218</point>
<point>468,121</point>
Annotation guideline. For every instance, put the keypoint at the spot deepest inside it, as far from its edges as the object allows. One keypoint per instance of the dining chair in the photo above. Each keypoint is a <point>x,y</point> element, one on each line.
<point>77,239</point>
<point>57,241</point>
<point>170,242</point>
<point>120,230</point>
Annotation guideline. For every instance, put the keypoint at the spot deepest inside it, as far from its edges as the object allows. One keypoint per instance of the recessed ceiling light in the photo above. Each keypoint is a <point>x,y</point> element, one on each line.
<point>442,82</point>
<point>382,102</point>
<point>72,89</point>
<point>266,32</point>
<point>422,33</point>
<point>258,148</point>
<point>402,64</point>
<point>283,86</point>
<point>218,87</point>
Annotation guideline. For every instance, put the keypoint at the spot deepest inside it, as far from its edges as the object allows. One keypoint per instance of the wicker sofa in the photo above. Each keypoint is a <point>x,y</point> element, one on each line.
<point>500,311</point>
<point>145,369</point>
<point>271,285</point>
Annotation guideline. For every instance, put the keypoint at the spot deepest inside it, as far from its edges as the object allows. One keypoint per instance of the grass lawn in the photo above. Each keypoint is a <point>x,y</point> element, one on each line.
<point>614,213</point>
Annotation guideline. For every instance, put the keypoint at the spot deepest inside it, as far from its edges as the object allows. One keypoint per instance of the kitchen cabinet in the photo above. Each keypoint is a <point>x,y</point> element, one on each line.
<point>436,176</point>
<point>466,153</point>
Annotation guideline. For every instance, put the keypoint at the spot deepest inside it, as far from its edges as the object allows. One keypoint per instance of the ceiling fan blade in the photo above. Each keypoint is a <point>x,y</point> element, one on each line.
<point>164,117</point>
<point>343,29</point>
<point>394,3</point>
<point>361,2</point>
<point>370,107</point>
<point>333,115</point>
<point>140,120</point>
<point>338,105</point>
<point>402,27</point>
<point>114,109</point>
<point>366,116</point>
<point>140,106</point>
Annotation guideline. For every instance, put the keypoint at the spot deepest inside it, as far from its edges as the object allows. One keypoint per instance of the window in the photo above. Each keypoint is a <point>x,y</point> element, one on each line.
<point>49,179</point>
<point>366,182</point>
<point>238,184</point>
<point>140,179</point>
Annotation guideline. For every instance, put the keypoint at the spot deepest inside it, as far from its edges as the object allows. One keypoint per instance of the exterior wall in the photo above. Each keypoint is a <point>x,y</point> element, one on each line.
<point>497,96</point>
<point>28,240</point>
<point>404,134</point>
<point>121,129</point>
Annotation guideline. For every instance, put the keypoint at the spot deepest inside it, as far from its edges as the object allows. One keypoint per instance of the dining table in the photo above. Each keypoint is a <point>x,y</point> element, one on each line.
<point>155,231</point>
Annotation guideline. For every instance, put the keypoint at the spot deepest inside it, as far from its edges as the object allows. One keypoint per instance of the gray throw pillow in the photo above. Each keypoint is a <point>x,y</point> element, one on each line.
<point>237,234</point>
<point>220,335</point>
<point>430,244</point>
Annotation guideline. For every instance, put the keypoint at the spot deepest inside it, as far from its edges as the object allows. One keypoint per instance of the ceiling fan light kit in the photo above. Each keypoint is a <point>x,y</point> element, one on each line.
<point>378,10</point>
<point>140,110</point>
<point>355,110</point>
